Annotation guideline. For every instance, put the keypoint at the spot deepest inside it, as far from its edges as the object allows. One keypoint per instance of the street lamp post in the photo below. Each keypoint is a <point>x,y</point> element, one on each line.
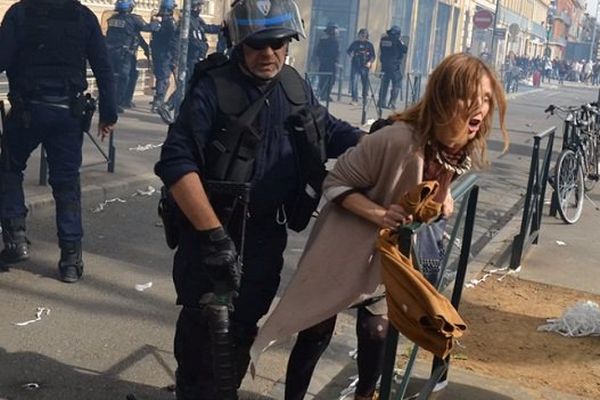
<point>494,40</point>
<point>593,33</point>
<point>549,21</point>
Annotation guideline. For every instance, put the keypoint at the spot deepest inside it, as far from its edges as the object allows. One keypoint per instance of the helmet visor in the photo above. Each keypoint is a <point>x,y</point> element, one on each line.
<point>272,19</point>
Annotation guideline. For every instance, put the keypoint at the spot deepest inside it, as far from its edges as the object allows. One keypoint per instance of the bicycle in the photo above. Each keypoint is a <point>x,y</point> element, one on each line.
<point>577,167</point>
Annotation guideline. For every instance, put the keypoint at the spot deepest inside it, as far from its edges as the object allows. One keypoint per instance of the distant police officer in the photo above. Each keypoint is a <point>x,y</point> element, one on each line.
<point>44,45</point>
<point>134,73</point>
<point>362,54</point>
<point>198,44</point>
<point>122,39</point>
<point>198,149</point>
<point>163,51</point>
<point>391,53</point>
<point>328,54</point>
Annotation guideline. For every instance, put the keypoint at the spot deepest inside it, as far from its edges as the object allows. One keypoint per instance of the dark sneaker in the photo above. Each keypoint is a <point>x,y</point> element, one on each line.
<point>70,265</point>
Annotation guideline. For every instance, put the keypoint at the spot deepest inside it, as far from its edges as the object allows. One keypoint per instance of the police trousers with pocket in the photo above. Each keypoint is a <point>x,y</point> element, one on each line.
<point>263,260</point>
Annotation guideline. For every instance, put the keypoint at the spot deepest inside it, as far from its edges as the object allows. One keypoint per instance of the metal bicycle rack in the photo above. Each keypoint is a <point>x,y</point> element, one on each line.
<point>108,156</point>
<point>466,192</point>
<point>534,199</point>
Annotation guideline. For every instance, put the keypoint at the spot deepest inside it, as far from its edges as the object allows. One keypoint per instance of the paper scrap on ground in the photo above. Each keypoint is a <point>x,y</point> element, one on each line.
<point>38,316</point>
<point>140,287</point>
<point>145,147</point>
<point>350,389</point>
<point>582,319</point>
<point>474,282</point>
<point>150,190</point>
<point>560,243</point>
<point>31,386</point>
<point>100,207</point>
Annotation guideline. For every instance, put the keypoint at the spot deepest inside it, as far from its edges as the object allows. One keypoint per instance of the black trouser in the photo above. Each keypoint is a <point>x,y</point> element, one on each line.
<point>326,82</point>
<point>263,261</point>
<point>371,331</point>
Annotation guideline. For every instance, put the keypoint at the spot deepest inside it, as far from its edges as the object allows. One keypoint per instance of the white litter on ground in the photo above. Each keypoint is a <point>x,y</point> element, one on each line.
<point>143,286</point>
<point>150,190</point>
<point>353,354</point>
<point>583,319</point>
<point>100,207</point>
<point>474,282</point>
<point>145,147</point>
<point>350,389</point>
<point>560,243</point>
<point>38,316</point>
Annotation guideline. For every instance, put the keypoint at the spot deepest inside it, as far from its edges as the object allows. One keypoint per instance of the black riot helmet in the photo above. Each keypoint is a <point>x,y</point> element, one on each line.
<point>264,20</point>
<point>196,7</point>
<point>331,28</point>
<point>394,31</point>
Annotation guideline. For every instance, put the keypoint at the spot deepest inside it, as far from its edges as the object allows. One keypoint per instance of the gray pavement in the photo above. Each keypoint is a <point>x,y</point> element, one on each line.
<point>103,339</point>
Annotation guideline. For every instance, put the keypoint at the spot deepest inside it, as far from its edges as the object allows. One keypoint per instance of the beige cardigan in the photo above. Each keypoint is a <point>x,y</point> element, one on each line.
<point>340,266</point>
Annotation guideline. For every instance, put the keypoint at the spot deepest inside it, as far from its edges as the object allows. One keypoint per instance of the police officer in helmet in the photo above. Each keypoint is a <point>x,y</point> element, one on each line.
<point>208,243</point>
<point>163,51</point>
<point>328,55</point>
<point>122,39</point>
<point>391,51</point>
<point>198,42</point>
<point>44,45</point>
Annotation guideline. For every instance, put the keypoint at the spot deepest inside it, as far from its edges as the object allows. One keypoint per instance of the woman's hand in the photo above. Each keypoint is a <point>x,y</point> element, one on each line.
<point>395,216</point>
<point>448,206</point>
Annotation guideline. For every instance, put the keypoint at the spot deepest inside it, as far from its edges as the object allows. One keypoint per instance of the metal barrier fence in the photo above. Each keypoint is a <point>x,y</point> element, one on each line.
<point>108,158</point>
<point>534,199</point>
<point>466,193</point>
<point>413,89</point>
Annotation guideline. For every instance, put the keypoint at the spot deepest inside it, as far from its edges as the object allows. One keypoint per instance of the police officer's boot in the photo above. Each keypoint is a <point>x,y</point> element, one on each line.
<point>16,245</point>
<point>156,104</point>
<point>70,266</point>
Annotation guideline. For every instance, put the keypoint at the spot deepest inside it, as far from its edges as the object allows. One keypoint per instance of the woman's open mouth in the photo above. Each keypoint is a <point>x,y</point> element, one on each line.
<point>474,124</point>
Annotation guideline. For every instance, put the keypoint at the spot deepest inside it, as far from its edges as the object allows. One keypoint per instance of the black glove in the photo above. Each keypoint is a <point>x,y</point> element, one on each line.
<point>220,258</point>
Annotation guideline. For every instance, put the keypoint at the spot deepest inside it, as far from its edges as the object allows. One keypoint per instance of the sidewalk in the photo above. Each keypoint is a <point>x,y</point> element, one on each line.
<point>134,170</point>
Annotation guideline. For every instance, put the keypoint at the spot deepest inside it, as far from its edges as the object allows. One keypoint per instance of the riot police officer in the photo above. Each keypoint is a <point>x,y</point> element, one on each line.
<point>134,73</point>
<point>122,39</point>
<point>328,54</point>
<point>198,148</point>
<point>391,53</point>
<point>163,51</point>
<point>198,42</point>
<point>362,54</point>
<point>44,45</point>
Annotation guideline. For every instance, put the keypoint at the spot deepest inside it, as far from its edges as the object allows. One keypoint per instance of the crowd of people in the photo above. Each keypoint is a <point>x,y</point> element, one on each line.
<point>543,69</point>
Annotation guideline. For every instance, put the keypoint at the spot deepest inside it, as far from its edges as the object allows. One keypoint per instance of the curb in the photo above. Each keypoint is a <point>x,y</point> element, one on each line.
<point>97,193</point>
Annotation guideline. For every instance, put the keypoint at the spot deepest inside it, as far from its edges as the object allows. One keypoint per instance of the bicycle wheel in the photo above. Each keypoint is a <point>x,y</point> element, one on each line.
<point>569,186</point>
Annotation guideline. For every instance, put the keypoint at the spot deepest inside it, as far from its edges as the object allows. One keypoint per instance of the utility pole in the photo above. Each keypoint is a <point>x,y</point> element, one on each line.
<point>593,34</point>
<point>494,41</point>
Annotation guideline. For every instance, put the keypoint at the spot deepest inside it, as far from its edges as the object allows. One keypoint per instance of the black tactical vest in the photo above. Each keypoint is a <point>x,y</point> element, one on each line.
<point>53,49</point>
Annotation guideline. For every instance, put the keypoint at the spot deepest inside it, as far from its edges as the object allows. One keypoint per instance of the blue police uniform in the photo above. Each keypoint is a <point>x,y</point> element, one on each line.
<point>362,53</point>
<point>392,51</point>
<point>122,40</point>
<point>328,54</point>
<point>163,50</point>
<point>44,58</point>
<point>133,72</point>
<point>198,43</point>
<point>274,180</point>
